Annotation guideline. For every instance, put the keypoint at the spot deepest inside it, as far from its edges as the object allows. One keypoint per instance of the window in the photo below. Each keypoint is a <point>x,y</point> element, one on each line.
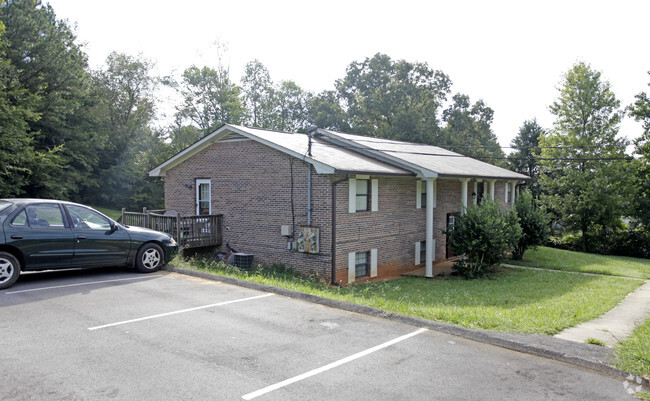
<point>361,264</point>
<point>43,215</point>
<point>203,197</point>
<point>20,220</point>
<point>423,193</point>
<point>421,198</point>
<point>86,219</point>
<point>421,252</point>
<point>363,195</point>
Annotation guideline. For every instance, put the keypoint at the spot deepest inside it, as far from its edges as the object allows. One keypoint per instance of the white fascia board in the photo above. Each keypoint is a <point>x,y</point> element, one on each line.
<point>160,171</point>
<point>379,155</point>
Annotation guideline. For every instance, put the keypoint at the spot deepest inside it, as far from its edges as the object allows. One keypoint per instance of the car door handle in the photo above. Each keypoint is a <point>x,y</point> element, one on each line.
<point>81,237</point>
<point>16,236</point>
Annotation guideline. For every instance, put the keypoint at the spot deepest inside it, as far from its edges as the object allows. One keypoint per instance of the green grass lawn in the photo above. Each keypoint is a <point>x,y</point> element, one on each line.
<point>633,354</point>
<point>513,300</point>
<point>558,259</point>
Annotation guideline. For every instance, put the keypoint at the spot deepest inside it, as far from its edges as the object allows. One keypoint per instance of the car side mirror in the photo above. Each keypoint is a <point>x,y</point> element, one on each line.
<point>114,226</point>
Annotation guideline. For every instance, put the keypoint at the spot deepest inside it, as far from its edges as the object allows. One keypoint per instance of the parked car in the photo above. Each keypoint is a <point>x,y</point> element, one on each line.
<point>43,234</point>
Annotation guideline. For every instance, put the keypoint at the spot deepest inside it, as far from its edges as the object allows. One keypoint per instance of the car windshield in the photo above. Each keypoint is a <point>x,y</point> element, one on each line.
<point>4,204</point>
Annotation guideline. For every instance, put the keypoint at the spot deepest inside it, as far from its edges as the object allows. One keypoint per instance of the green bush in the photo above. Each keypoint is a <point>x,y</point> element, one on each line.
<point>483,235</point>
<point>534,224</point>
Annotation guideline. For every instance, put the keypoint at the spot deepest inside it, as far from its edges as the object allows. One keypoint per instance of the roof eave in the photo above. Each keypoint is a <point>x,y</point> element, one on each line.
<point>416,170</point>
<point>185,154</point>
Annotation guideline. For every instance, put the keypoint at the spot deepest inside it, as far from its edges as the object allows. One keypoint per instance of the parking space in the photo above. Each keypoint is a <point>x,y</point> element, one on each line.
<point>114,334</point>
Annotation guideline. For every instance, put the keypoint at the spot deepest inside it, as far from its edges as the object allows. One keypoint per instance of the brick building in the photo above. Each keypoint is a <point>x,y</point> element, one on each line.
<point>339,206</point>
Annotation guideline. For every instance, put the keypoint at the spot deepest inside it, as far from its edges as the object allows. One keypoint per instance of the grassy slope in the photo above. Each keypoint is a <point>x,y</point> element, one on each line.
<point>515,300</point>
<point>558,259</point>
<point>112,213</point>
<point>633,354</point>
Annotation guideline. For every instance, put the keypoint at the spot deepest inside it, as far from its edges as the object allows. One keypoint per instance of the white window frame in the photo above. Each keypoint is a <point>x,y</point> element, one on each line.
<point>352,264</point>
<point>421,186</point>
<point>374,193</point>
<point>198,183</point>
<point>419,246</point>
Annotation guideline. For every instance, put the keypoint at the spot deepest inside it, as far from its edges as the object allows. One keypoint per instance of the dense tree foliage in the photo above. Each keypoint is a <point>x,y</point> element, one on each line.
<point>534,224</point>
<point>640,110</point>
<point>210,98</point>
<point>393,99</point>
<point>524,158</point>
<point>583,164</point>
<point>17,111</point>
<point>468,131</point>
<point>47,81</point>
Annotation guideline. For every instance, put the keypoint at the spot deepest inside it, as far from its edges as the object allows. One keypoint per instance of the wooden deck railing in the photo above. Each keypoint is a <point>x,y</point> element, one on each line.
<point>189,231</point>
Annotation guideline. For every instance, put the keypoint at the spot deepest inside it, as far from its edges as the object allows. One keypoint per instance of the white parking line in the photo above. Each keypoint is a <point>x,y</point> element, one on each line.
<point>332,365</point>
<point>178,311</point>
<point>84,283</point>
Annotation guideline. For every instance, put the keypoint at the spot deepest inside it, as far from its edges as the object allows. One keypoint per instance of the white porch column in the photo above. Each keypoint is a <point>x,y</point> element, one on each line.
<point>463,194</point>
<point>429,239</point>
<point>514,186</point>
<point>492,183</point>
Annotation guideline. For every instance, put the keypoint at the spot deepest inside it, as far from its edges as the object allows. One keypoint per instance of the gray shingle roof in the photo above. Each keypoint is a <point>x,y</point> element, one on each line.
<point>336,153</point>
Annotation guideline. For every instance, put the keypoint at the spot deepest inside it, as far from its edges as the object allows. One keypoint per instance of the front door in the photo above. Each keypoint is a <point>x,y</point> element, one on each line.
<point>203,196</point>
<point>451,221</point>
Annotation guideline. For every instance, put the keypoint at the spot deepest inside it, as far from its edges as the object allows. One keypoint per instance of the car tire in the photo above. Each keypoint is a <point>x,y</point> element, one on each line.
<point>150,258</point>
<point>9,270</point>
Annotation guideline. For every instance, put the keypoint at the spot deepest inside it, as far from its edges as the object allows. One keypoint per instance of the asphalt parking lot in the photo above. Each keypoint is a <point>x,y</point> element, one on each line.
<point>114,334</point>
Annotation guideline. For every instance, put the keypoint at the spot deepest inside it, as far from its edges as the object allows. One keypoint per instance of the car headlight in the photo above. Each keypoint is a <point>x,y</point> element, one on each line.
<point>172,241</point>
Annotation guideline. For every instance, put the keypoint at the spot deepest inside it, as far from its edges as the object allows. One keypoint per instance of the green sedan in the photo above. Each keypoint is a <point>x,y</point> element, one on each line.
<point>43,234</point>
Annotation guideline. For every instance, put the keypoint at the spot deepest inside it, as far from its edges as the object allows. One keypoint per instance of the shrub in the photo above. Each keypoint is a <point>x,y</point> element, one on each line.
<point>483,235</point>
<point>534,224</point>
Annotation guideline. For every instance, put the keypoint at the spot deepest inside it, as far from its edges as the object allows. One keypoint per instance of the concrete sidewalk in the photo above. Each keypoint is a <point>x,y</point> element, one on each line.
<point>617,324</point>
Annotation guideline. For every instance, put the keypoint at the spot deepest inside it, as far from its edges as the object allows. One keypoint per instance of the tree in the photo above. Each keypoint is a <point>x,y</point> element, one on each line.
<point>534,224</point>
<point>209,98</point>
<point>640,111</point>
<point>290,111</point>
<point>483,234</point>
<point>582,163</point>
<point>468,130</point>
<point>524,158</point>
<point>393,99</point>
<point>325,111</point>
<point>120,116</point>
<point>45,78</point>
<point>257,93</point>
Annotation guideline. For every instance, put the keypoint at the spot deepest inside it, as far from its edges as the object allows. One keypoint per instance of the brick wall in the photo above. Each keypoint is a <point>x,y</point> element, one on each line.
<point>253,187</point>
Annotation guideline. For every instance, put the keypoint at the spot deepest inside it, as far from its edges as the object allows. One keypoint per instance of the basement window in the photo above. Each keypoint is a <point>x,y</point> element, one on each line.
<point>361,266</point>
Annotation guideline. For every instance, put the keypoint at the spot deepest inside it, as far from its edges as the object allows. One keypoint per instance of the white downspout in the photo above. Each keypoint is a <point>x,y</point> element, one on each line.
<point>429,238</point>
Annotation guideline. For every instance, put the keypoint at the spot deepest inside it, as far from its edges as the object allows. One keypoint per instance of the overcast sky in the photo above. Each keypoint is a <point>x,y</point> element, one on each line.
<point>511,54</point>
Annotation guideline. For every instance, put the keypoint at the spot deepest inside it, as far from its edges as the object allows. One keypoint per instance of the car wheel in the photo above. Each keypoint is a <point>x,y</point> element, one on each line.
<point>9,270</point>
<point>150,258</point>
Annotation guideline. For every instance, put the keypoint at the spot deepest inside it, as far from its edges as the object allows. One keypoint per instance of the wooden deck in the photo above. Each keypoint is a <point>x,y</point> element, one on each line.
<point>189,231</point>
